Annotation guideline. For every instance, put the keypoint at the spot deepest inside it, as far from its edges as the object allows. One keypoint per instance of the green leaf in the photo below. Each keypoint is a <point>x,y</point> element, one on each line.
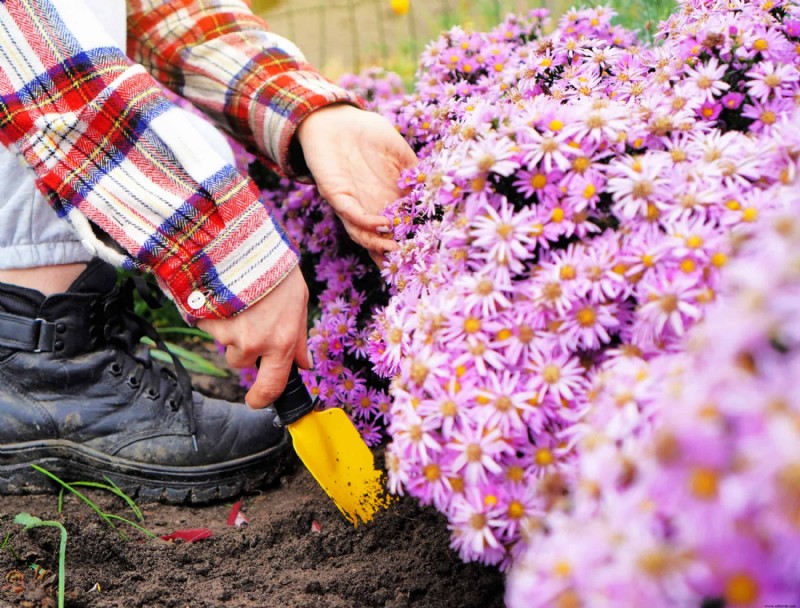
<point>190,360</point>
<point>27,520</point>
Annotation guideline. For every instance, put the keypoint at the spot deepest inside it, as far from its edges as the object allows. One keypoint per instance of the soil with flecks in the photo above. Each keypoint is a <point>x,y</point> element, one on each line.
<point>297,551</point>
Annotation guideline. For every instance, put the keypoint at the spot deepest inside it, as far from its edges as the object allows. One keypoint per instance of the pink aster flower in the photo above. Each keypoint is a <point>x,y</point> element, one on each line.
<point>669,302</point>
<point>589,325</point>
<point>765,115</point>
<point>504,402</point>
<point>474,521</point>
<point>477,451</point>
<point>489,155</point>
<point>770,80</point>
<point>503,234</point>
<point>636,182</point>
<point>706,79</point>
<point>550,150</point>
<point>416,438</point>
<point>558,375</point>
<point>732,101</point>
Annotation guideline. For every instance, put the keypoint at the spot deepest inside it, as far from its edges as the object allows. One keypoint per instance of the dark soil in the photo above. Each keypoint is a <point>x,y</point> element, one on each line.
<point>297,551</point>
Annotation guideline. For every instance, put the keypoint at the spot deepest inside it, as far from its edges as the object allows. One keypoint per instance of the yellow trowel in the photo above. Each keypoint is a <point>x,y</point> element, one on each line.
<point>333,450</point>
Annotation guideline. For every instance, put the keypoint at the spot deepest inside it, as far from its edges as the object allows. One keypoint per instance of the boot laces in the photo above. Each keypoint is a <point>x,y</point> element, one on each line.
<point>125,328</point>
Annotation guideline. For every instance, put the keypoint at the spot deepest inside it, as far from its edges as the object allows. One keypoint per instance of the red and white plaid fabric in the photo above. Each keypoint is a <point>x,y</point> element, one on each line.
<point>109,149</point>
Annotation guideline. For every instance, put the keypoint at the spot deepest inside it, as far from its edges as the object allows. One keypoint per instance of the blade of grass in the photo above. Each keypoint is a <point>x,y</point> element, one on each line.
<point>109,487</point>
<point>134,507</point>
<point>7,545</point>
<point>113,489</point>
<point>85,499</point>
<point>133,524</point>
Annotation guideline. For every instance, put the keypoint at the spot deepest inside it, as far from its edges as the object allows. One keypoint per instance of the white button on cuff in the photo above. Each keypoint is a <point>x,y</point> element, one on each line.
<point>196,300</point>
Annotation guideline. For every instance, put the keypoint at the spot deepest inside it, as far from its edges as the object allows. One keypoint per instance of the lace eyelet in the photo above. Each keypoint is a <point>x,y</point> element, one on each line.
<point>133,382</point>
<point>152,393</point>
<point>173,405</point>
<point>115,369</point>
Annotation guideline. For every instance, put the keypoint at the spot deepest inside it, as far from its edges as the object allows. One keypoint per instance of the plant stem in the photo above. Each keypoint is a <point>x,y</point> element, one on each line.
<point>29,521</point>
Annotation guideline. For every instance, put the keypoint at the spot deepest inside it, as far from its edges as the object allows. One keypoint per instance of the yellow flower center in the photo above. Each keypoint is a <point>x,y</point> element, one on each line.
<point>432,472</point>
<point>694,242</point>
<point>580,164</point>
<point>740,589</point>
<point>449,408</point>
<point>760,45</point>
<point>544,457</point>
<point>474,452</point>
<point>586,317</point>
<point>516,510</point>
<point>551,374</point>
<point>562,569</point>
<point>515,474</point>
<point>504,334</point>
<point>704,483</point>
<point>719,259</point>
<point>688,266</point>
<point>539,181</point>
<point>472,325</point>
<point>477,521</point>
<point>750,214</point>
<point>504,231</point>
<point>567,272</point>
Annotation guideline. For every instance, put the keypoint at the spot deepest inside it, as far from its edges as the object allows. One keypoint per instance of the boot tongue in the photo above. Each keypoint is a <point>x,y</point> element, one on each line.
<point>99,277</point>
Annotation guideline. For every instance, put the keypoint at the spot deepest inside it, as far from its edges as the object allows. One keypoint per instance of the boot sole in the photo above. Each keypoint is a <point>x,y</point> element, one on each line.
<point>72,462</point>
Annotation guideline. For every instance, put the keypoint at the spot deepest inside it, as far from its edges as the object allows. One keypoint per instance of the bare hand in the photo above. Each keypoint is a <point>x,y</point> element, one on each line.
<point>275,329</point>
<point>356,158</point>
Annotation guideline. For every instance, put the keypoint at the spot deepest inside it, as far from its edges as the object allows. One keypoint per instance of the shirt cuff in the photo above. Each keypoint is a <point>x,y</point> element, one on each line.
<point>282,103</point>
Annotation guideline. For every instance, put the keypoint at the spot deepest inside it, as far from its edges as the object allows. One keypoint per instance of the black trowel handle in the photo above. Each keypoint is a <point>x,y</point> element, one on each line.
<point>294,402</point>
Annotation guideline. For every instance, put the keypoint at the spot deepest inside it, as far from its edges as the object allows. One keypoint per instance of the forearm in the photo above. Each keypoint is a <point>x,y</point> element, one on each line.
<point>109,150</point>
<point>255,84</point>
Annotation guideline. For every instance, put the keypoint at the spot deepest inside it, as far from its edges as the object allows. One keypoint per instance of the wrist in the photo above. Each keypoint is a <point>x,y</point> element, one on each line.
<point>310,128</point>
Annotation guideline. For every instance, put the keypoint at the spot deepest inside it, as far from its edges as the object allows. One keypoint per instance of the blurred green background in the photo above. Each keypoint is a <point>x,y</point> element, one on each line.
<point>349,35</point>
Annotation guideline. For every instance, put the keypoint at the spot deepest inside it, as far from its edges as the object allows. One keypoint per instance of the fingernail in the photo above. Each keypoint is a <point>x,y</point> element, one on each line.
<point>384,230</point>
<point>310,359</point>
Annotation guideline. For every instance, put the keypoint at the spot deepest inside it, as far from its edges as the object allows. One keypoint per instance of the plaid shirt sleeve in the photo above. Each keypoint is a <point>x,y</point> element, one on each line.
<point>109,151</point>
<point>216,53</point>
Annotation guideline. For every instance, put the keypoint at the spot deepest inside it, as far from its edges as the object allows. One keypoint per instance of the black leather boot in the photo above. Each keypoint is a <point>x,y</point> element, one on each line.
<point>82,398</point>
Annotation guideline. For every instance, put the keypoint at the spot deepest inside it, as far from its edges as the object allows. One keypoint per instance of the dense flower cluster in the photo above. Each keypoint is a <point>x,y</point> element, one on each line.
<point>572,208</point>
<point>569,221</point>
<point>702,503</point>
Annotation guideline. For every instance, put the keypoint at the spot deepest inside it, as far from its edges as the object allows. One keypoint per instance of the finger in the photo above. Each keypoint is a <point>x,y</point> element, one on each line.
<point>237,359</point>
<point>406,156</point>
<point>371,241</point>
<point>378,258</point>
<point>273,374</point>
<point>350,210</point>
<point>302,354</point>
<point>219,329</point>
